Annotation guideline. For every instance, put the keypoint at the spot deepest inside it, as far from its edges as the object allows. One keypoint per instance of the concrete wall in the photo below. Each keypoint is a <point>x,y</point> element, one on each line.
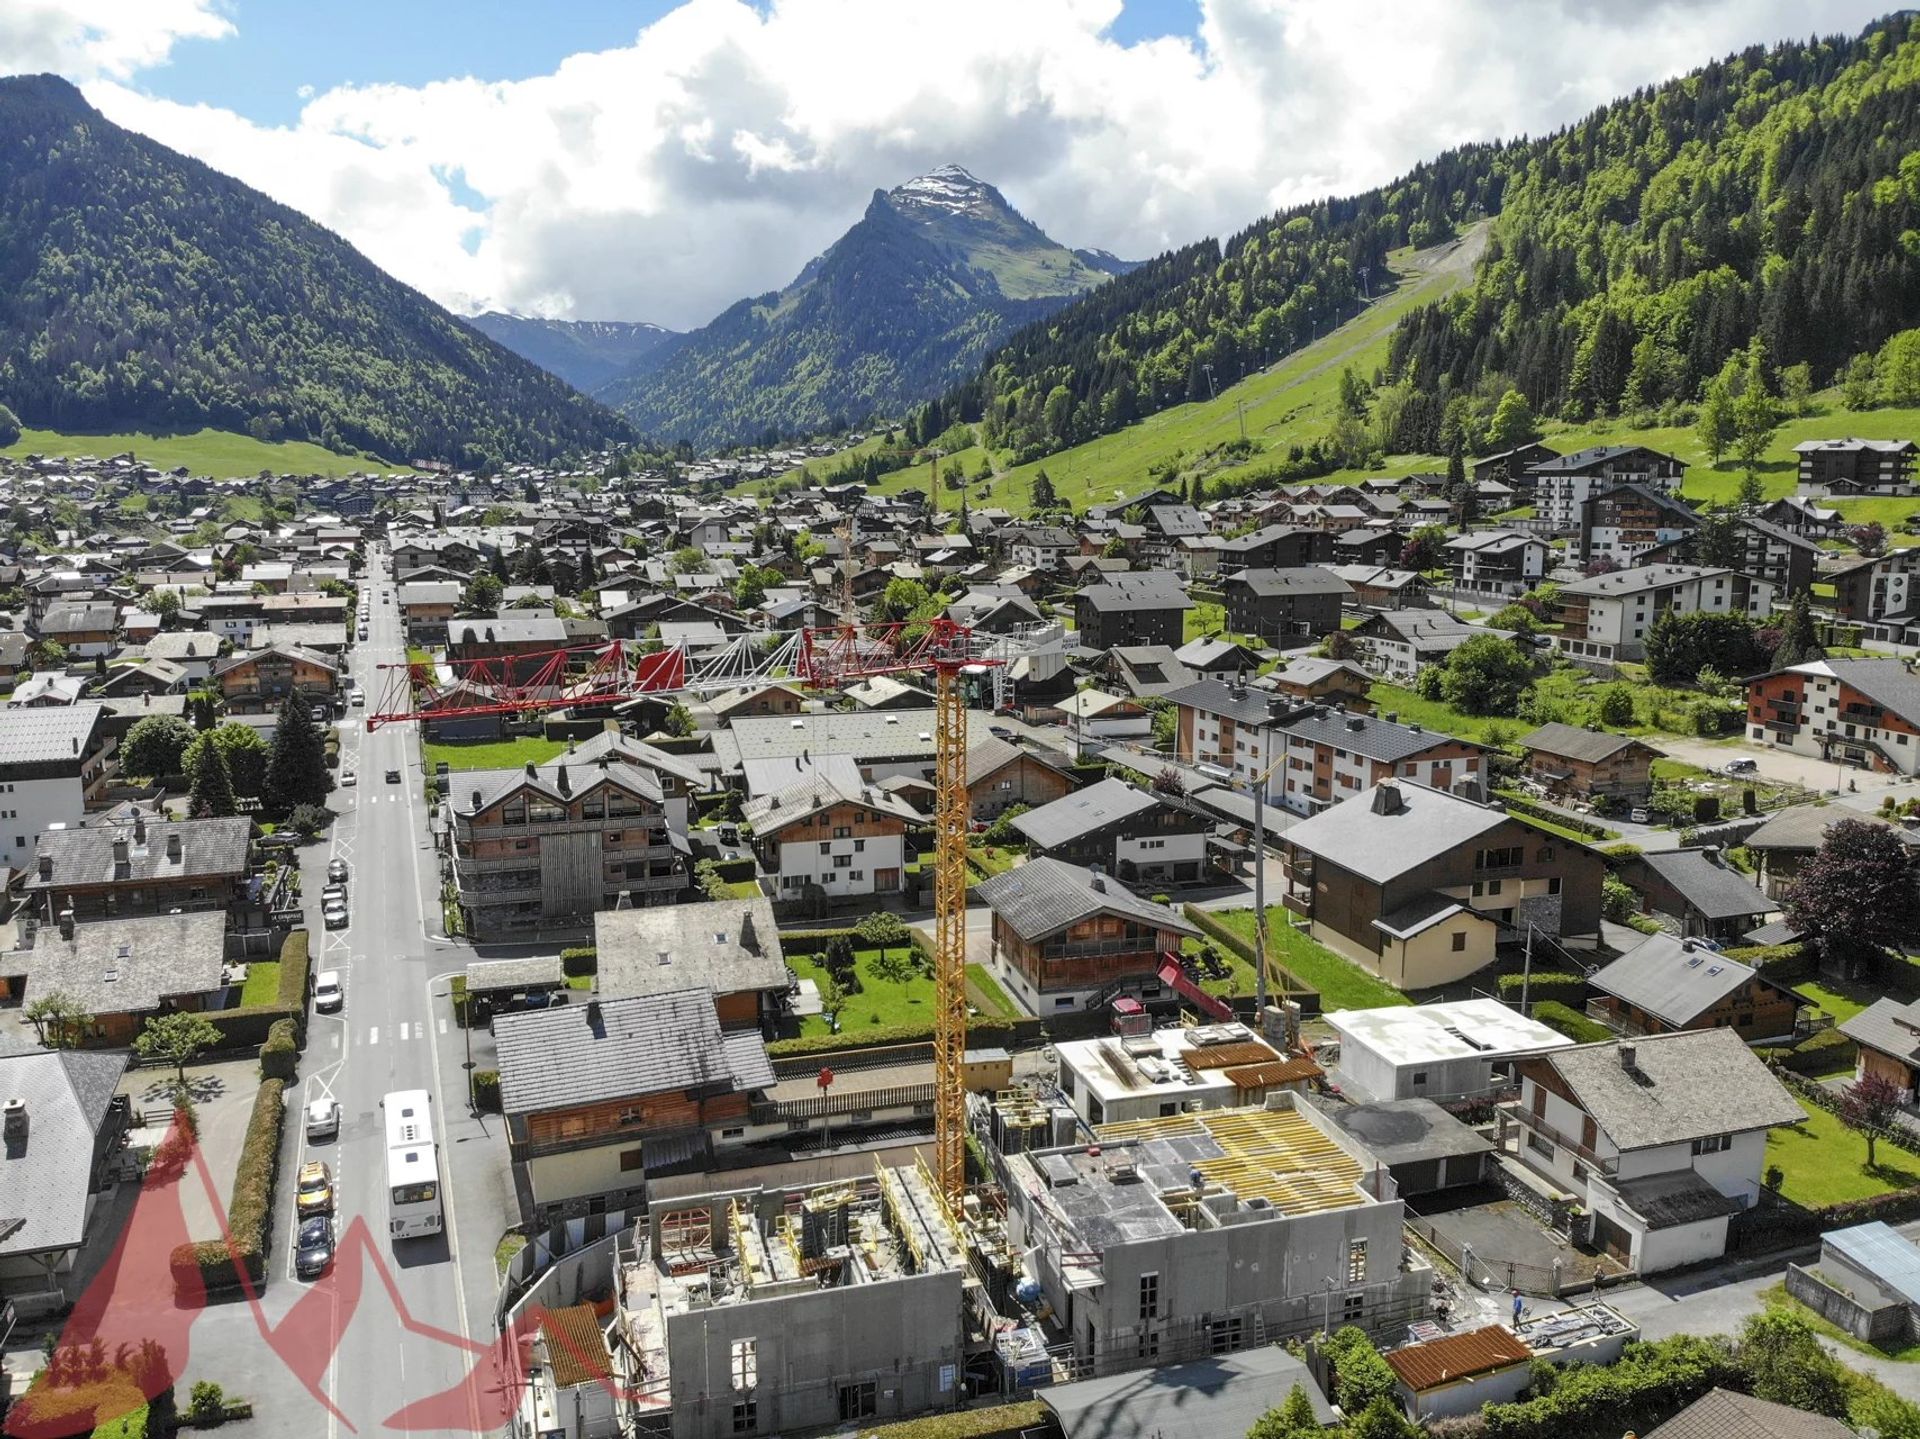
<point>898,1334</point>
<point>1466,1396</point>
<point>29,806</point>
<point>1867,1317</point>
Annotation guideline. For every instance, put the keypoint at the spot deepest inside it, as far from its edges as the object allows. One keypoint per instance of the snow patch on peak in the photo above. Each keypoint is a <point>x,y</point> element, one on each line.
<point>950,187</point>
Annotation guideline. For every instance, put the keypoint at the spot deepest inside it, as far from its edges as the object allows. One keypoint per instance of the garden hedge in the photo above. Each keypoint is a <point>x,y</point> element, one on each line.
<point>579,963</point>
<point>980,1031</point>
<point>1568,989</point>
<point>1776,961</point>
<point>254,1024</point>
<point>486,1090</point>
<point>249,1211</point>
<point>280,1055</point>
<point>1577,1027</point>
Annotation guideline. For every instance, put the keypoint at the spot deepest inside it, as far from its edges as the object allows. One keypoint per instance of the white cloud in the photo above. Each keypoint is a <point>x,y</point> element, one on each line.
<point>710,158</point>
<point>82,39</point>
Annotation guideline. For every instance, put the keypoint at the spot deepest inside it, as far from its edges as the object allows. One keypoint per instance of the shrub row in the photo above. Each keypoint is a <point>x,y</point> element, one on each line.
<point>255,1024</point>
<point>1645,1386</point>
<point>457,989</point>
<point>1292,986</point>
<point>1776,961</point>
<point>1516,803</point>
<point>579,963</point>
<point>1821,1053</point>
<point>815,941</point>
<point>486,1090</point>
<point>249,1212</point>
<point>1568,989</point>
<point>981,1031</point>
<point>280,1055</point>
<point>1576,1026</point>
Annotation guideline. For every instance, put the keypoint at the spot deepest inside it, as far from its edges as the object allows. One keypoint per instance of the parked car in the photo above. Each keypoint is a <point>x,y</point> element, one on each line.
<point>323,1119</point>
<point>1640,816</point>
<point>363,632</point>
<point>336,871</point>
<point>1742,766</point>
<point>1000,731</point>
<point>348,779</point>
<point>327,994</point>
<point>313,1250</point>
<point>334,916</point>
<point>315,1195</point>
<point>360,696</point>
<point>332,893</point>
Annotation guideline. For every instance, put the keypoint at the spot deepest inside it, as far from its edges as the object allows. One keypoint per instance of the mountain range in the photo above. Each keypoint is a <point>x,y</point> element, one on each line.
<point>584,353</point>
<point>935,274</point>
<point>143,289</point>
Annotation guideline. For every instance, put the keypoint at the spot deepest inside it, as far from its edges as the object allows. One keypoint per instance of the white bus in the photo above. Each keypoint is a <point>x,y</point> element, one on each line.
<point>413,1166</point>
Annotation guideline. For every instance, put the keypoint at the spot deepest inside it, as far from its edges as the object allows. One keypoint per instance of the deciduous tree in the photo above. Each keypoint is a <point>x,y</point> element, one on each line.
<point>1486,675</point>
<point>176,1038</point>
<point>155,746</point>
<point>1857,894</point>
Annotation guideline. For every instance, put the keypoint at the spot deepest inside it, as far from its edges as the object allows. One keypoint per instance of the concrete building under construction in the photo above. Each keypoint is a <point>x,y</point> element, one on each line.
<point>767,1311</point>
<point>1176,1237</point>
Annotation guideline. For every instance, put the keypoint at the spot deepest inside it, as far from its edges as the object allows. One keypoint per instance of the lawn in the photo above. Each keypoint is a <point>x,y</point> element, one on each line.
<point>491,754</point>
<point>1844,998</point>
<point>1572,695</point>
<point>986,995</point>
<point>418,656</point>
<point>263,983</point>
<point>879,1002</point>
<point>219,454</point>
<point>991,860</point>
<point>1824,1162</point>
<point>1342,983</point>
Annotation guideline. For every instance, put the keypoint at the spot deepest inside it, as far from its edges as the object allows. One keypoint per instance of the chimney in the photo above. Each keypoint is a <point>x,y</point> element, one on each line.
<point>533,770</point>
<point>1356,722</point>
<point>1626,1058</point>
<point>76,744</point>
<point>1098,883</point>
<point>593,1014</point>
<point>476,799</point>
<point>140,827</point>
<point>13,1123</point>
<point>66,923</point>
<point>121,865</point>
<point>173,847</point>
<point>1387,799</point>
<point>46,868</point>
<point>566,784</point>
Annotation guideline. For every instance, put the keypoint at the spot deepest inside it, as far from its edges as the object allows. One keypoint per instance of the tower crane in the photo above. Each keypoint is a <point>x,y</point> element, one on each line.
<point>599,676</point>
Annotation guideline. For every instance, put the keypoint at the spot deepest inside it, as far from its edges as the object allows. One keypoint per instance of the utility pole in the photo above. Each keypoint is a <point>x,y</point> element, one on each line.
<point>1526,970</point>
<point>1240,409</point>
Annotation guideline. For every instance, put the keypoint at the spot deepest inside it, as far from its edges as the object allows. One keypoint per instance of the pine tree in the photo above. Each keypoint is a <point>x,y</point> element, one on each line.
<point>210,795</point>
<point>1040,492</point>
<point>1799,644</point>
<point>297,767</point>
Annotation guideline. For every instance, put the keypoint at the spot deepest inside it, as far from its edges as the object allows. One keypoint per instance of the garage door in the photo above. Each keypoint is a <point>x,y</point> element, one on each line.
<point>1612,1238</point>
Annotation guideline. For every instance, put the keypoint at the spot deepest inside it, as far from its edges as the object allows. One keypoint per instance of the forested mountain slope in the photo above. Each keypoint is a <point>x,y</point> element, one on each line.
<point>139,288</point>
<point>584,353</point>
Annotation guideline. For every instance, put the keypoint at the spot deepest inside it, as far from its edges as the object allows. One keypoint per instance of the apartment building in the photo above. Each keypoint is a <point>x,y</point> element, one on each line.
<point>1146,839</point>
<point>55,765</point>
<point>1605,618</point>
<point>1881,594</point>
<point>1148,608</point>
<point>1562,486</point>
<point>1497,562</point>
<point>1786,560</point>
<point>1398,644</point>
<point>549,846</point>
<point>1864,713</point>
<point>826,832</point>
<point>1625,522</point>
<point>1856,467</point>
<point>1284,607</point>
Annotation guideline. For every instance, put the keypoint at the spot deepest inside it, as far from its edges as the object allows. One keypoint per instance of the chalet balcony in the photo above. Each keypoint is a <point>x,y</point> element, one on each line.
<point>1298,902</point>
<point>468,863</point>
<point>1526,1119</point>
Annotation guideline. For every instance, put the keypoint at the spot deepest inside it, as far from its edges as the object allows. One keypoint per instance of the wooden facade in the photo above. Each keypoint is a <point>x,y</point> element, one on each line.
<point>1101,949</point>
<point>1755,1011</point>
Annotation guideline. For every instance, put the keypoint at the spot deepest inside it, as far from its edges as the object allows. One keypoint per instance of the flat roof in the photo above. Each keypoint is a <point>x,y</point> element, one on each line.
<point>1460,1029</point>
<point>1135,1066</point>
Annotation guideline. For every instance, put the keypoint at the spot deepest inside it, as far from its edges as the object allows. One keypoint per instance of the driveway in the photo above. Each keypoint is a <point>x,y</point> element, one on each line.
<point>1780,766</point>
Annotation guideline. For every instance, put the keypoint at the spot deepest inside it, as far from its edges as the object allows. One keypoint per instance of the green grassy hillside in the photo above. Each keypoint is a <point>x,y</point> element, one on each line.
<point>218,454</point>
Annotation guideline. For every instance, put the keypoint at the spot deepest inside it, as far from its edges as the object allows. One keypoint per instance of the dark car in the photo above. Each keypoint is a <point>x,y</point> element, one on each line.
<point>313,1250</point>
<point>393,776</point>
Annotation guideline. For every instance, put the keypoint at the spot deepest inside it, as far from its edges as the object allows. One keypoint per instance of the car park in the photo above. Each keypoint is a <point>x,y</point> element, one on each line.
<point>327,994</point>
<point>315,1192</point>
<point>336,871</point>
<point>313,1250</point>
<point>323,1119</point>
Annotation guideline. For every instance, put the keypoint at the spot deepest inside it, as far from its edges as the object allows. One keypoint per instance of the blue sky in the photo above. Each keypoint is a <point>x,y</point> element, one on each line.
<point>285,45</point>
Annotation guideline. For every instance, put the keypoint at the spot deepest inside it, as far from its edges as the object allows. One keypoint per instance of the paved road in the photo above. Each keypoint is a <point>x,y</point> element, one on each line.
<point>392,1034</point>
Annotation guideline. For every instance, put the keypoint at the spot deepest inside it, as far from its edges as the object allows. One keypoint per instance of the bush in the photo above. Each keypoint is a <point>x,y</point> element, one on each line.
<point>307,820</point>
<point>1821,1053</point>
<point>457,989</point>
<point>1784,962</point>
<point>280,1055</point>
<point>813,941</point>
<point>486,1090</point>
<point>1647,1385</point>
<point>1360,1374</point>
<point>1577,1027</point>
<point>207,1403</point>
<point>1566,988</point>
<point>579,963</point>
<point>249,1214</point>
<point>987,1421</point>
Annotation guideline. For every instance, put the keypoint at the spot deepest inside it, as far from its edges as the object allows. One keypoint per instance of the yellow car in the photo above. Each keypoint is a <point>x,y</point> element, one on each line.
<point>316,1189</point>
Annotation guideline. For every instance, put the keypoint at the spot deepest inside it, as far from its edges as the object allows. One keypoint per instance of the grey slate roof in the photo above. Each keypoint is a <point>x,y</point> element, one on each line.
<point>1889,1026</point>
<point>1045,896</point>
<point>866,735</point>
<point>987,756</point>
<point>512,627</point>
<point>67,1093</point>
<point>1716,893</point>
<point>128,966</point>
<point>53,739</point>
<point>510,974</point>
<point>1381,847</point>
<point>1145,590</point>
<point>1723,1414</point>
<point>1643,577</point>
<point>1367,735</point>
<point>1804,827</point>
<point>725,946</point>
<point>476,790</point>
<point>85,855</point>
<point>1242,705</point>
<point>1299,580</point>
<point>1683,1086</point>
<point>1888,683</point>
<point>1664,977</point>
<point>576,1054</point>
<point>1572,742</point>
<point>1075,815</point>
<point>769,814</point>
<point>1675,1197</point>
<point>1203,1399</point>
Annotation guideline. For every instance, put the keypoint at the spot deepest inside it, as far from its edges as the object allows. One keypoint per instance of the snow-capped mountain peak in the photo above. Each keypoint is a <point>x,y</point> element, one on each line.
<point>951,188</point>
